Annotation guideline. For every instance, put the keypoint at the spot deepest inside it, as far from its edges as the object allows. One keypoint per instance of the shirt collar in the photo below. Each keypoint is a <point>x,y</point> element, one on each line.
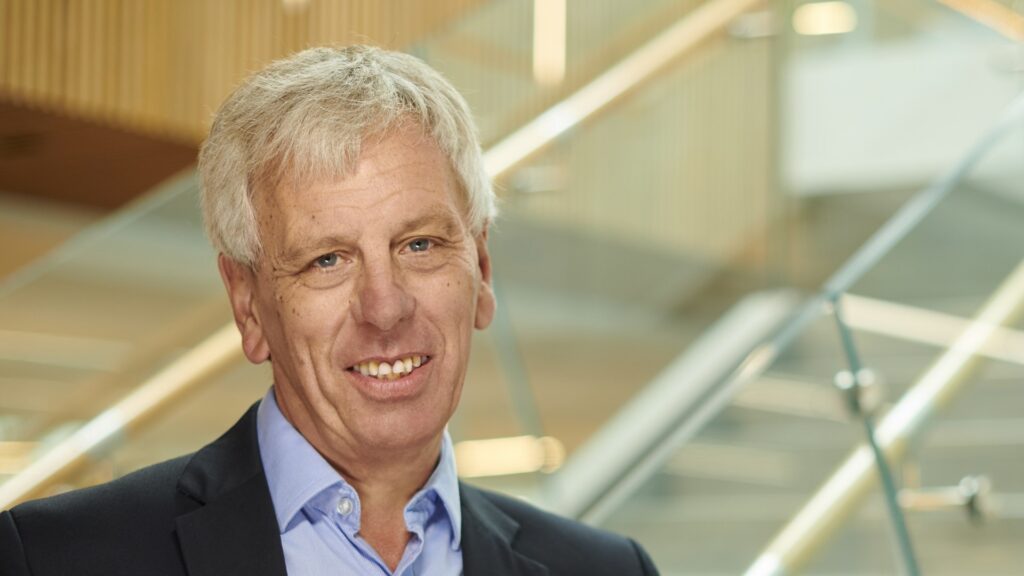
<point>445,483</point>
<point>297,473</point>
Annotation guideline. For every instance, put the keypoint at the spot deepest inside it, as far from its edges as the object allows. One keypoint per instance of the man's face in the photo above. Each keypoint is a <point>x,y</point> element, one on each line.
<point>375,269</point>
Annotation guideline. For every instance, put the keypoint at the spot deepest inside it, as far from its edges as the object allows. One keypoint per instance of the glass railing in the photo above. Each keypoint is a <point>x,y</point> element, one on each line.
<point>783,480</point>
<point>101,314</point>
<point>125,302</point>
<point>491,54</point>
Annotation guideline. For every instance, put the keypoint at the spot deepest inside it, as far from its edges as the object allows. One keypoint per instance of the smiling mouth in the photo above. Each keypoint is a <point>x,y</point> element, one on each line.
<point>389,371</point>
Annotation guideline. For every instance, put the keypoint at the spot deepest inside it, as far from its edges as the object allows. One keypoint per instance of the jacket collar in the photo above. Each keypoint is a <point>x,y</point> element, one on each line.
<point>488,536</point>
<point>235,530</point>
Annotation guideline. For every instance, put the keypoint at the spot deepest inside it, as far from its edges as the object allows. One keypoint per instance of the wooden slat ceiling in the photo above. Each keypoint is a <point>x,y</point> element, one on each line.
<point>102,99</point>
<point>82,162</point>
<point>163,66</point>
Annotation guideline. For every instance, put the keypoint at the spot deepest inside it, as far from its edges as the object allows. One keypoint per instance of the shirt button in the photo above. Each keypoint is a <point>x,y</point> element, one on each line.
<point>345,506</point>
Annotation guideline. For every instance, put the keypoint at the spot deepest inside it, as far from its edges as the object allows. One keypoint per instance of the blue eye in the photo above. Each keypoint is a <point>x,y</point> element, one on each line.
<point>326,261</point>
<point>419,245</point>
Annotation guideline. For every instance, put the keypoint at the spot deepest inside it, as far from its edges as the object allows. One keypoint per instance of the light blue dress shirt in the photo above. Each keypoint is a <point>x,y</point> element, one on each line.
<point>318,512</point>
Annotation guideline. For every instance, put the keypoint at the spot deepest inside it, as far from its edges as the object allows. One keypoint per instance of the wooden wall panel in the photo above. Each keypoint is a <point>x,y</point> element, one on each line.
<point>162,66</point>
<point>686,164</point>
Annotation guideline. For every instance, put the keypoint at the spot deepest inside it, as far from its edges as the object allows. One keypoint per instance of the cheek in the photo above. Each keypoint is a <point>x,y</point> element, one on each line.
<point>307,319</point>
<point>317,316</point>
<point>452,301</point>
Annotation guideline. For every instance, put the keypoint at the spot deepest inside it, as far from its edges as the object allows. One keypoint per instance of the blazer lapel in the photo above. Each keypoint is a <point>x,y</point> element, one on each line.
<point>234,531</point>
<point>487,538</point>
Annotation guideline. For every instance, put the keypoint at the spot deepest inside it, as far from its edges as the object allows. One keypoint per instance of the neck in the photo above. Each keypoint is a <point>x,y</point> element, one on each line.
<point>385,478</point>
<point>384,489</point>
<point>389,480</point>
<point>384,473</point>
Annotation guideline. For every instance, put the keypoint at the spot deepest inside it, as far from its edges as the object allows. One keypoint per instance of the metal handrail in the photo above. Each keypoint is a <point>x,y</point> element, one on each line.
<point>642,466</point>
<point>837,497</point>
<point>667,412</point>
<point>917,208</point>
<point>213,355</point>
<point>592,499</point>
<point>220,350</point>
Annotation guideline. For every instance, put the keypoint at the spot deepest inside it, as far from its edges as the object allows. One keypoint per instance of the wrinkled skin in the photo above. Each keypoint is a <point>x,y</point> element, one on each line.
<point>378,264</point>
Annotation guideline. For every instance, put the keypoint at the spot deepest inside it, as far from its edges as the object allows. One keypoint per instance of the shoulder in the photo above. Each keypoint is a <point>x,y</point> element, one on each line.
<point>565,546</point>
<point>141,493</point>
<point>131,518</point>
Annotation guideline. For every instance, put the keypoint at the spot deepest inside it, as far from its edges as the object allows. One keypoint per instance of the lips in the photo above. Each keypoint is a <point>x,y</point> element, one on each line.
<point>391,379</point>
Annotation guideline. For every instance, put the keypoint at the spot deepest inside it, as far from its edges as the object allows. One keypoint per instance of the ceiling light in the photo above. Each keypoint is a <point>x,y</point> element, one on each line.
<point>504,456</point>
<point>549,41</point>
<point>819,18</point>
<point>294,5</point>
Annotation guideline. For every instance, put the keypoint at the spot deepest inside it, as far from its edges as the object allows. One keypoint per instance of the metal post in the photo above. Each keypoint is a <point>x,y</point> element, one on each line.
<point>838,496</point>
<point>524,403</point>
<point>899,523</point>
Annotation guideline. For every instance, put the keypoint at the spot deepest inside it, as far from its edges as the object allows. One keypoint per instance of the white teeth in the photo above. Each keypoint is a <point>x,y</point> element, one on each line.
<point>384,369</point>
<point>408,365</point>
<point>398,367</point>
<point>417,361</point>
<point>364,369</point>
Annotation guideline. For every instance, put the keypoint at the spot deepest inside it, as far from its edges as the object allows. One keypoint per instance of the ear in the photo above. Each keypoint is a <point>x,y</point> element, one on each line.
<point>485,301</point>
<point>240,281</point>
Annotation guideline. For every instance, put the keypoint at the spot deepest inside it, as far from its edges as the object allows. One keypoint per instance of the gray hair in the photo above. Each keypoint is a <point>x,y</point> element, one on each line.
<point>306,116</point>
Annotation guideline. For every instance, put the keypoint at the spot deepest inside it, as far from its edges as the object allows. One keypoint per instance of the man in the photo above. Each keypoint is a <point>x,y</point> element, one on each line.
<point>345,192</point>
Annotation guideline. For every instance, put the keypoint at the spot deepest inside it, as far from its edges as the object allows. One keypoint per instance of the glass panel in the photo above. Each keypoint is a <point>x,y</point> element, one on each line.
<point>613,253</point>
<point>864,544</point>
<point>489,54</point>
<point>86,325</point>
<point>724,494</point>
<point>789,426</point>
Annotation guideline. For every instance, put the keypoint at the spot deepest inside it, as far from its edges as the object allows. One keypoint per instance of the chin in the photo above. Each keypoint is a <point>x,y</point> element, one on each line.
<point>401,429</point>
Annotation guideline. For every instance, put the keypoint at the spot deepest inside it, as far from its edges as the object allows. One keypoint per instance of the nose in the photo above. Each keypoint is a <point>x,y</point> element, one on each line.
<point>382,299</point>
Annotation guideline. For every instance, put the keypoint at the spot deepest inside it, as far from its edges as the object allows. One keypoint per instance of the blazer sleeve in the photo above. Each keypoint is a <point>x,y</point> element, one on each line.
<point>12,555</point>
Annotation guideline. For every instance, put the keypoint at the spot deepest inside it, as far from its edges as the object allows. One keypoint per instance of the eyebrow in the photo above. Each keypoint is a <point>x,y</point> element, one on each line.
<point>298,254</point>
<point>450,224</point>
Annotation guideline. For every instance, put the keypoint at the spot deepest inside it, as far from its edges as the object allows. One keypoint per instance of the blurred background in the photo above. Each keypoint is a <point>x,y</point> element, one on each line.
<point>739,239</point>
